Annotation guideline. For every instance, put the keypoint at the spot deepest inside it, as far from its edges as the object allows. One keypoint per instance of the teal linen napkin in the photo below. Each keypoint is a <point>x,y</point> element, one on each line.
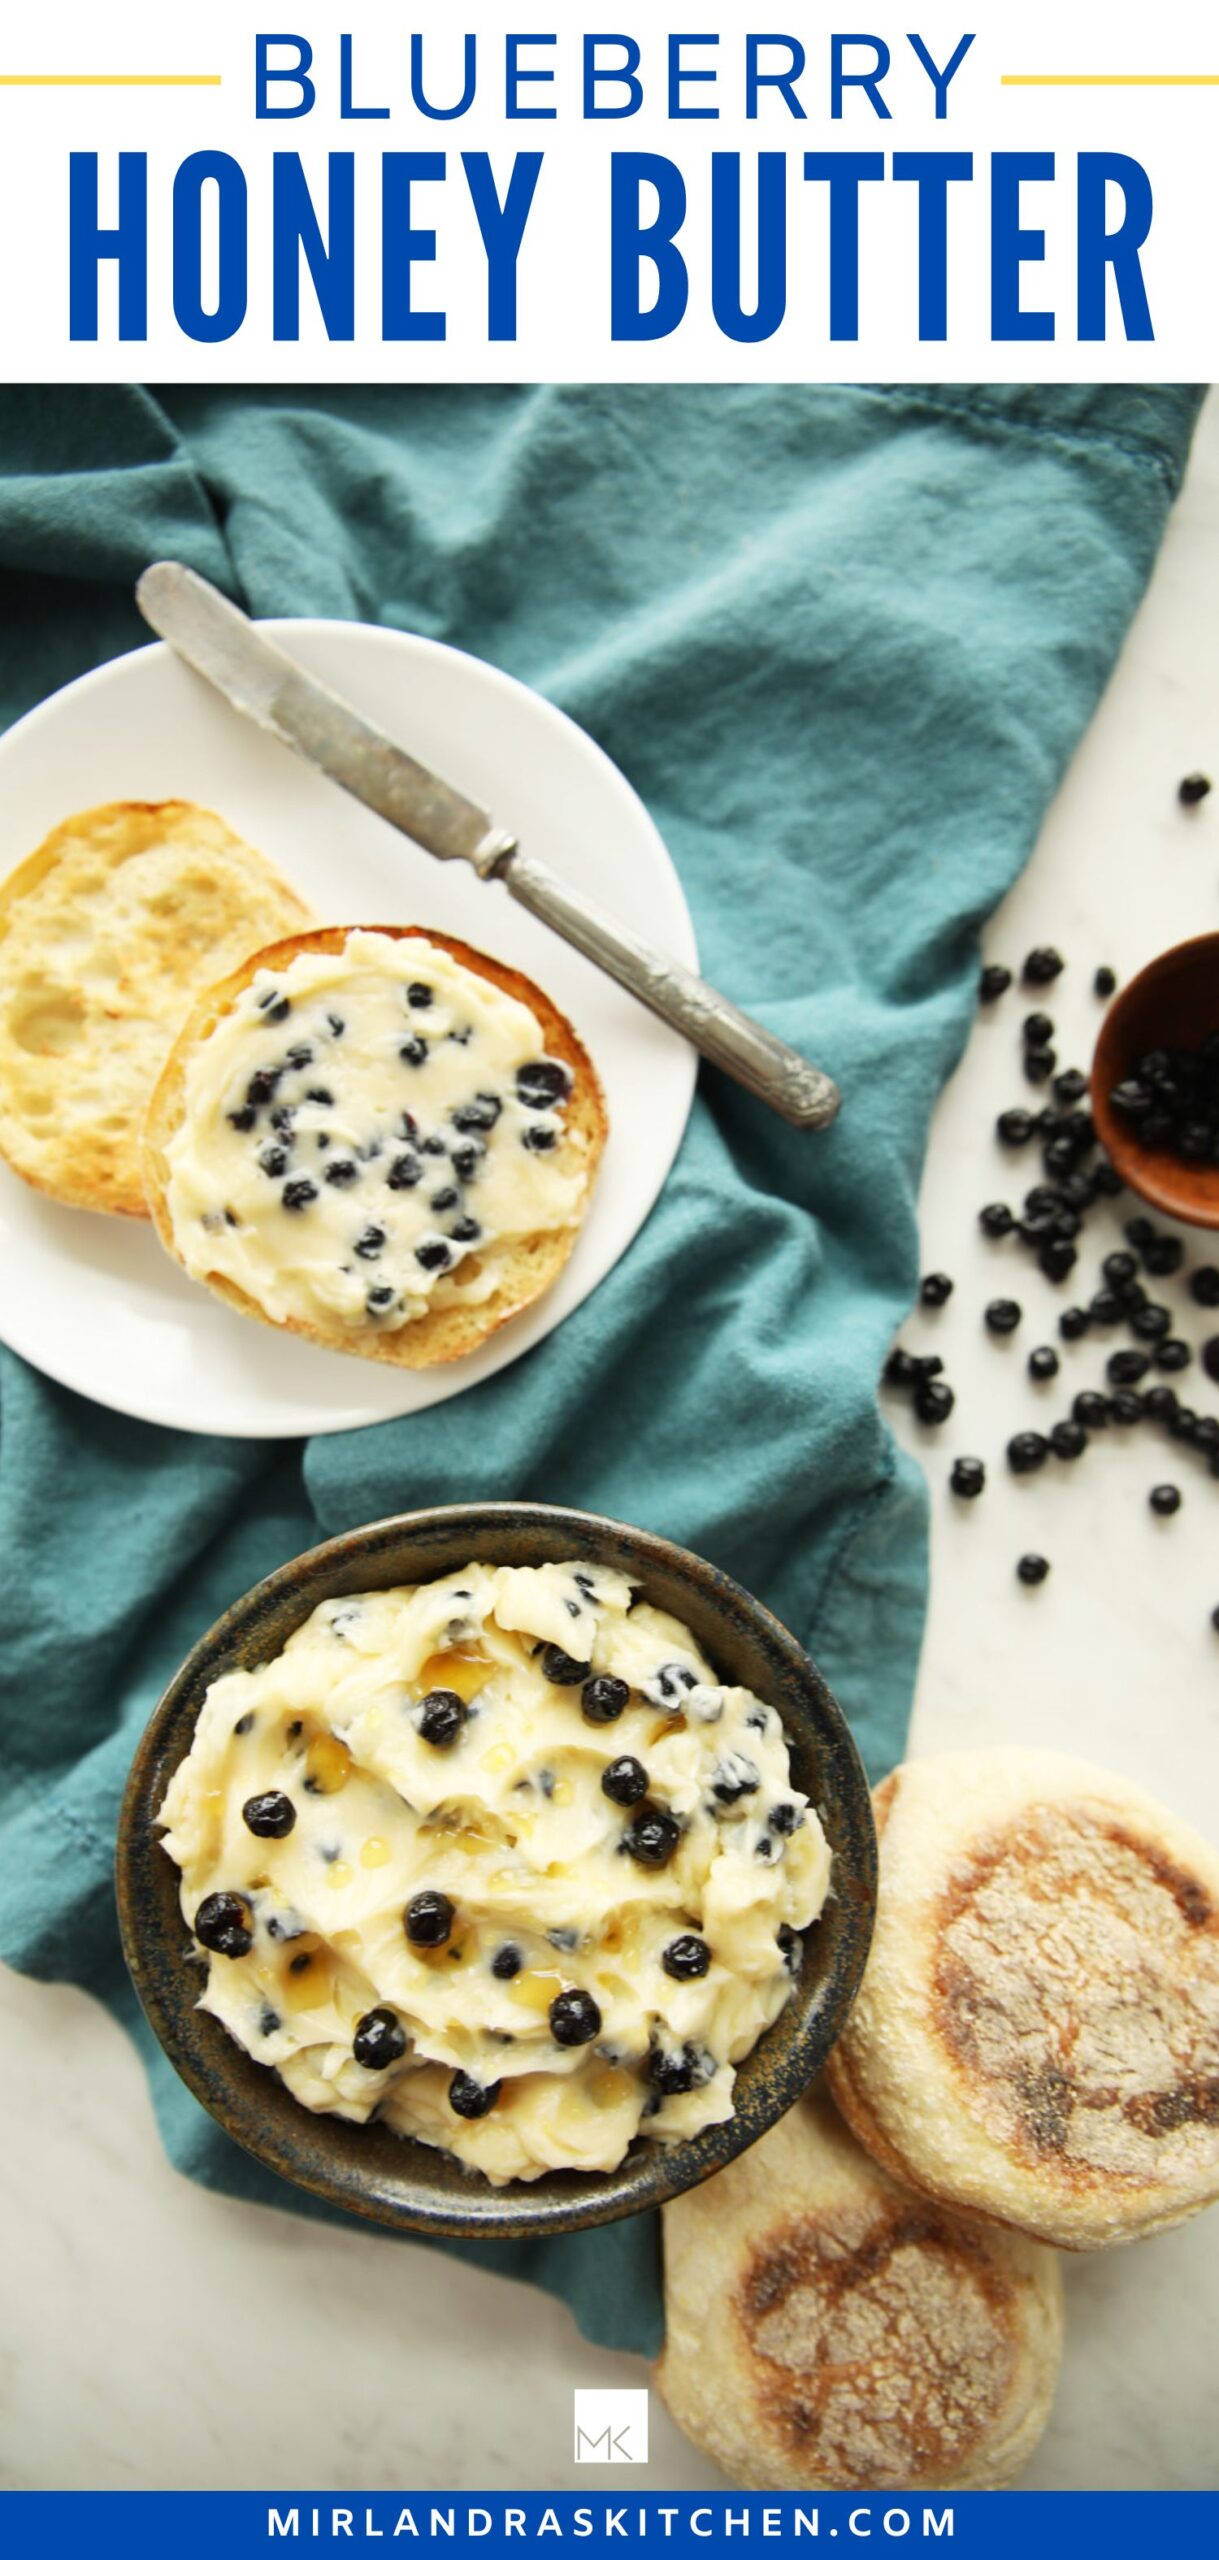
<point>843,642</point>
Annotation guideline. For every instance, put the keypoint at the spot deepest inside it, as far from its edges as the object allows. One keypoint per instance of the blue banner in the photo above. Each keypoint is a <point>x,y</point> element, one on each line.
<point>195,2524</point>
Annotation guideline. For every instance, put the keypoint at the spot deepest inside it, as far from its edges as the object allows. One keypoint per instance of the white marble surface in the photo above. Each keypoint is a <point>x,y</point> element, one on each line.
<point>155,2336</point>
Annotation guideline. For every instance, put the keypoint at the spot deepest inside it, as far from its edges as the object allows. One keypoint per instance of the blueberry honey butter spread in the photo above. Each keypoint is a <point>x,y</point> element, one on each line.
<point>380,1139</point>
<point>499,1860</point>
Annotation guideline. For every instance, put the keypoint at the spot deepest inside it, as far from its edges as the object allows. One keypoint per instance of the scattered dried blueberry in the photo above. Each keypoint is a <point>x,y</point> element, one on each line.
<point>1037,1031</point>
<point>433,1254</point>
<point>899,1368</point>
<point>1039,1064</point>
<point>624,1781</point>
<point>1165,1499</point>
<point>269,1817</point>
<point>1192,789</point>
<point>1068,1439</point>
<point>418,996</point>
<point>428,1919</point>
<point>574,2017</point>
<point>1204,1285</point>
<point>1104,981</point>
<point>538,1138</point>
<point>562,1669</point>
<point>480,1113</point>
<point>1151,1322</point>
<point>1125,1368</point>
<point>1127,1405</point>
<point>1042,965</point>
<point>297,1195</point>
<point>369,1244</point>
<point>465,1231</point>
<point>935,1289</point>
<point>993,981</point>
<point>442,1715</point>
<point>1032,1569</point>
<point>506,1963</point>
<point>1090,1410</point>
<point>472,2098</point>
<point>652,1837</point>
<point>225,1923</point>
<point>1043,1363</point>
<point>380,2038</point>
<point>1172,1354</point>
<point>1057,1257</point>
<point>996,1219</point>
<point>1162,1256</point>
<point>343,1170</point>
<point>1073,1323</point>
<point>542,1083</point>
<point>933,1401</point>
<point>381,1297</point>
<point>1014,1128</point>
<point>1002,1315</point>
<point>687,1959</point>
<point>671,2074</point>
<point>603,1698</point>
<point>273,1006</point>
<point>968,1478</point>
<point>1026,1451</point>
<point>413,1052</point>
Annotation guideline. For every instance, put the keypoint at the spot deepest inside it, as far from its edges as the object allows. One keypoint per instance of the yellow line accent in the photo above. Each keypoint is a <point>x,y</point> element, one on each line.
<point>1109,80</point>
<point>110,79</point>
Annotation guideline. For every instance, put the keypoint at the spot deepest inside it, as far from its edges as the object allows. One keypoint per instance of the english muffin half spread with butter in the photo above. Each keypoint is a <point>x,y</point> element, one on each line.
<point>380,1139</point>
<point>498,1859</point>
<point>1037,2032</point>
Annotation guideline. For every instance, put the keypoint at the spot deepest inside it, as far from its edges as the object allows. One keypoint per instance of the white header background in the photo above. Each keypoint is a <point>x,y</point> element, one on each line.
<point>564,269</point>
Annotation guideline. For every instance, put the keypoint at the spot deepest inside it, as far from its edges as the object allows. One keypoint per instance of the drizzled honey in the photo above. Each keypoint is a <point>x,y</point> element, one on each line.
<point>463,1668</point>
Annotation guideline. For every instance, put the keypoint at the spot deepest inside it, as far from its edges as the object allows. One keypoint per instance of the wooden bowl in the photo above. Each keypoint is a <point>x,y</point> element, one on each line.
<point>1172,1004</point>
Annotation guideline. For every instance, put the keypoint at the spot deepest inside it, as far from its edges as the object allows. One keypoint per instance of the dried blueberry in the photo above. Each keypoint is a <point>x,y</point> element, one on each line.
<point>935,1289</point>
<point>481,1113</point>
<point>1014,1128</point>
<point>968,1478</point>
<point>506,1963</point>
<point>933,1401</point>
<point>1068,1439</point>
<point>562,1669</point>
<point>1032,1569</point>
<point>343,1170</point>
<point>1104,981</point>
<point>1043,1363</point>
<point>1165,1499</point>
<point>1172,1354</point>
<point>472,2098</point>
<point>687,1959</point>
<point>413,1052</point>
<point>322,1095</point>
<point>671,2074</point>
<point>380,2038</point>
<point>261,1087</point>
<point>1042,965</point>
<point>465,1231</point>
<point>1057,1257</point>
<point>418,996</point>
<point>380,1298</point>
<point>441,1717</point>
<point>539,1138</point>
<point>1127,1405</point>
<point>574,2017</point>
<point>273,1161</point>
<point>243,1119</point>
<point>994,980</point>
<point>1039,1065</point>
<point>652,1837</point>
<point>1073,1323</point>
<point>624,1781</point>
<point>1204,1285</point>
<point>433,1254</point>
<point>899,1368</point>
<point>428,1918</point>
<point>1091,1410</point>
<point>1125,1368</point>
<point>734,1776</point>
<point>542,1083</point>
<point>225,1923</point>
<point>1163,1256</point>
<point>1037,1030</point>
<point>369,1244</point>
<point>1193,789</point>
<point>1027,1451</point>
<point>404,1172</point>
<point>273,1006</point>
<point>1002,1315</point>
<point>996,1219</point>
<point>297,1195</point>
<point>466,1160</point>
<point>603,1698</point>
<point>269,1817</point>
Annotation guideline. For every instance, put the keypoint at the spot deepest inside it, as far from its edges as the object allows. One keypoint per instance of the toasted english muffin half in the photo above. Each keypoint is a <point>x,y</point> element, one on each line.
<point>313,1272</point>
<point>1037,2032</point>
<point>827,2328</point>
<point>107,933</point>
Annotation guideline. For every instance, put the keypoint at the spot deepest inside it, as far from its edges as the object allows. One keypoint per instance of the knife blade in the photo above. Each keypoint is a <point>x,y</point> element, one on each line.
<point>271,688</point>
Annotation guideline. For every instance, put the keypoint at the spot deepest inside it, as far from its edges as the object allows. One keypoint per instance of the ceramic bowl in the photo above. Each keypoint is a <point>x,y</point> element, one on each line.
<point>366,2168</point>
<point>1172,1004</point>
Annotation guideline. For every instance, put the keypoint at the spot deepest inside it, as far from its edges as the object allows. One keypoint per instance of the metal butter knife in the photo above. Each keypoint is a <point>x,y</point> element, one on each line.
<point>261,680</point>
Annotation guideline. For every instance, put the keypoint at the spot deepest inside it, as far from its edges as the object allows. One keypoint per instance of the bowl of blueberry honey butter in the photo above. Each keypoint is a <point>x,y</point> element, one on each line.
<point>496,1869</point>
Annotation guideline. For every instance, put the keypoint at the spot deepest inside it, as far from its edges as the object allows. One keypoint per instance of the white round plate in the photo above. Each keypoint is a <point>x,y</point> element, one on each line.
<point>94,1300</point>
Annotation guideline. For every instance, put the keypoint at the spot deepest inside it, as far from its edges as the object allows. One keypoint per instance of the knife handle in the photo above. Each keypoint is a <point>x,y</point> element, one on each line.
<point>729,1038</point>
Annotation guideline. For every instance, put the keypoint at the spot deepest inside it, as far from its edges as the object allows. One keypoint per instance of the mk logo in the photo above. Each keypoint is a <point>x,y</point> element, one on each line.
<point>611,2426</point>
